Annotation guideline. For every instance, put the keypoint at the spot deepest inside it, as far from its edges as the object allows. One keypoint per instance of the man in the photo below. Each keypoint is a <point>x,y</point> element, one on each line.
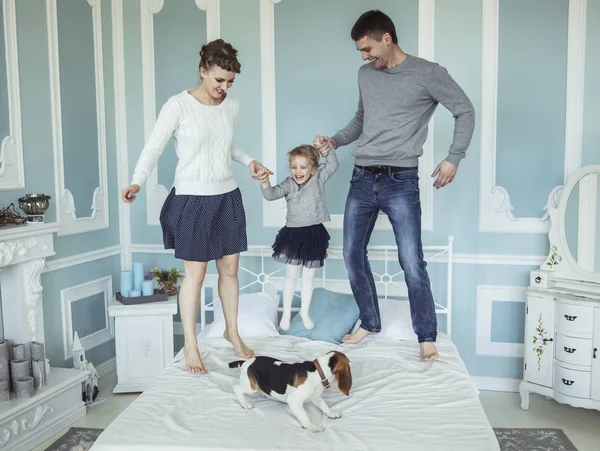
<point>398,94</point>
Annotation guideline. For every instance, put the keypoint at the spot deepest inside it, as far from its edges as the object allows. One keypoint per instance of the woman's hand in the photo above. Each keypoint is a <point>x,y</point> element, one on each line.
<point>128,194</point>
<point>264,177</point>
<point>257,170</point>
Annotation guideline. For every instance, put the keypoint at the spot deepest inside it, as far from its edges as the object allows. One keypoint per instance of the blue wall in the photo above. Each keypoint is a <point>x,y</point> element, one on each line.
<point>80,146</point>
<point>316,93</point>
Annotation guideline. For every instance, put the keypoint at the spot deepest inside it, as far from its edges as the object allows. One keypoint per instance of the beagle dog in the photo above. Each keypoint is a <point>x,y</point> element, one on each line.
<point>294,383</point>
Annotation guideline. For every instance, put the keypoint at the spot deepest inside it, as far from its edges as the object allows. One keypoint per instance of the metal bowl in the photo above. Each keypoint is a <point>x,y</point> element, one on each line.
<point>34,204</point>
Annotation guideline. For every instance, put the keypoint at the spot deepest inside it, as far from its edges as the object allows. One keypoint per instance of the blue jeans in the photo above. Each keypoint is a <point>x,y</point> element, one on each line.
<point>396,195</point>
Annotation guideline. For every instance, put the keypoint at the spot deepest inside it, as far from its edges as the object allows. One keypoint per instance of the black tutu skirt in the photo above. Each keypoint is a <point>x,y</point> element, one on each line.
<point>306,246</point>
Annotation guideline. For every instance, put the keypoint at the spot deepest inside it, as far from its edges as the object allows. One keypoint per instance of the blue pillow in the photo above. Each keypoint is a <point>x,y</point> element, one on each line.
<point>333,314</point>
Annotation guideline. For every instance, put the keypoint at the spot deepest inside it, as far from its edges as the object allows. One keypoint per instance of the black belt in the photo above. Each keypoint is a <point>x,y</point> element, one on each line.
<point>382,169</point>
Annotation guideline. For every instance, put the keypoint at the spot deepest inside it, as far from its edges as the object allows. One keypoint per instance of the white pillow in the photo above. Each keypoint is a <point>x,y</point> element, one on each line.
<point>257,316</point>
<point>396,322</point>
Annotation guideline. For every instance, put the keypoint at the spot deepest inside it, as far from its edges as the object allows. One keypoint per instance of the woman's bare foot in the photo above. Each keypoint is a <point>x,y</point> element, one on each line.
<point>239,347</point>
<point>193,360</point>
<point>357,336</point>
<point>428,351</point>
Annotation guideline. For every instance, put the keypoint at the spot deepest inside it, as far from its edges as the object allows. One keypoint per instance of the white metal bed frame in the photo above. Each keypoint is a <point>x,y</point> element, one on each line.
<point>271,283</point>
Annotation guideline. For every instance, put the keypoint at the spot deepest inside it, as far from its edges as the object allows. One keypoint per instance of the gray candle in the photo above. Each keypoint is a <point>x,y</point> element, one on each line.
<point>4,360</point>
<point>36,350</point>
<point>38,368</point>
<point>19,368</point>
<point>18,351</point>
<point>4,390</point>
<point>23,387</point>
<point>4,350</point>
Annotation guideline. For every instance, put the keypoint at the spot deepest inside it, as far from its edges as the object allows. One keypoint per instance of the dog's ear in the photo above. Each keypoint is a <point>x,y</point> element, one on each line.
<point>340,367</point>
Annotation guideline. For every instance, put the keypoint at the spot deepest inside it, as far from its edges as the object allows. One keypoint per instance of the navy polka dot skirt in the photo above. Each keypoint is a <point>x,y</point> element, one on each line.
<point>204,228</point>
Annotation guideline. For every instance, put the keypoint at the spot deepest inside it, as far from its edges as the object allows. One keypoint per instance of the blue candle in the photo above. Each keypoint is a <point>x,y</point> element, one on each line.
<point>138,276</point>
<point>126,282</point>
<point>148,287</point>
<point>135,293</point>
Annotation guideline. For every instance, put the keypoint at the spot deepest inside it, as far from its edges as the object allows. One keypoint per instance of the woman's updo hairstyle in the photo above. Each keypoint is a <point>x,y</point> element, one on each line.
<point>220,53</point>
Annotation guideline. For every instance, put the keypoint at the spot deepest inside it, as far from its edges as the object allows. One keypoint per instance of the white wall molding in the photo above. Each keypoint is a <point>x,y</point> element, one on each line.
<point>495,209</point>
<point>426,44</point>
<point>274,211</point>
<point>65,204</point>
<point>486,296</point>
<point>80,259</point>
<point>110,366</point>
<point>575,85</point>
<point>504,384</point>
<point>78,293</point>
<point>12,171</point>
<point>157,194</point>
<point>475,259</point>
<point>121,129</point>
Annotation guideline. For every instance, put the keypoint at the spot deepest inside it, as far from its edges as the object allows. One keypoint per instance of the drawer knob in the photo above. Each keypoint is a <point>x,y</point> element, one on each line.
<point>595,350</point>
<point>570,350</point>
<point>566,382</point>
<point>547,339</point>
<point>570,318</point>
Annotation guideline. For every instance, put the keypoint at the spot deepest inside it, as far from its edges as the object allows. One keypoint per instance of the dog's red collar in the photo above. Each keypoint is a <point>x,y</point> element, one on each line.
<point>324,380</point>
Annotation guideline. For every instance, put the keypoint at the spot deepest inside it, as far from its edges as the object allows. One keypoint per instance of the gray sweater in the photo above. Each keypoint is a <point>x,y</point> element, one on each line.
<point>306,204</point>
<point>394,109</point>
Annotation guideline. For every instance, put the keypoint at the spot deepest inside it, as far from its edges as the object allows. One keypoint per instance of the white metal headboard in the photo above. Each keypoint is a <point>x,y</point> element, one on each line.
<point>391,284</point>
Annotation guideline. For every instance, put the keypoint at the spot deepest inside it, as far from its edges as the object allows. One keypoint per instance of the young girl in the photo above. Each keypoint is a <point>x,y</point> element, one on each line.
<point>203,217</point>
<point>302,243</point>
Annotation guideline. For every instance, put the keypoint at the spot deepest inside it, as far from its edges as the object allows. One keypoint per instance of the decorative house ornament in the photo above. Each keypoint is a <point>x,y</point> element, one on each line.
<point>77,352</point>
<point>89,387</point>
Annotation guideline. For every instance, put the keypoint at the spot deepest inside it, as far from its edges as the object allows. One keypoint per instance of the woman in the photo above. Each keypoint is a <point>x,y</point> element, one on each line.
<point>203,217</point>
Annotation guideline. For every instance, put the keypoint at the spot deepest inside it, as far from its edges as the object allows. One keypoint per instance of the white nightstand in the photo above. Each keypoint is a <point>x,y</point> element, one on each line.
<point>143,342</point>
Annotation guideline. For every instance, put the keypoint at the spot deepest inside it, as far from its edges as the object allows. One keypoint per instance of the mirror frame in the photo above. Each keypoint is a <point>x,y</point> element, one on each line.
<point>156,194</point>
<point>12,171</point>
<point>66,214</point>
<point>560,259</point>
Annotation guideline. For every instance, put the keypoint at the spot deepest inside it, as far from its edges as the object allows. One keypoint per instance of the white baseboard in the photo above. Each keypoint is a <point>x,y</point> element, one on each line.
<point>107,367</point>
<point>505,384</point>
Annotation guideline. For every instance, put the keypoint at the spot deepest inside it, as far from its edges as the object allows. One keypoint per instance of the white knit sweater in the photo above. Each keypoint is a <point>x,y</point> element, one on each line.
<point>203,141</point>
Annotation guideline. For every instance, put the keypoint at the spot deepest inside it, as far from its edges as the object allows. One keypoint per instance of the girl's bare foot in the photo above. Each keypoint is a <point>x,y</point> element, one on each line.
<point>357,336</point>
<point>239,347</point>
<point>193,360</point>
<point>428,351</point>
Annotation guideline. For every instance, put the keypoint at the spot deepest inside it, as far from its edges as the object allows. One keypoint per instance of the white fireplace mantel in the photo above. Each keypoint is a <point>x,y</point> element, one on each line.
<point>23,250</point>
<point>27,422</point>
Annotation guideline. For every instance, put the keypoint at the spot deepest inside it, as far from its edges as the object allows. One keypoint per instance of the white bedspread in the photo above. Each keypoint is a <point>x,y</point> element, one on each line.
<point>397,402</point>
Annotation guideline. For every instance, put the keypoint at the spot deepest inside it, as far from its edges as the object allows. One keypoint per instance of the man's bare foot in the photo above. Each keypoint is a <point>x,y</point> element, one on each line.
<point>357,336</point>
<point>192,359</point>
<point>239,347</point>
<point>428,351</point>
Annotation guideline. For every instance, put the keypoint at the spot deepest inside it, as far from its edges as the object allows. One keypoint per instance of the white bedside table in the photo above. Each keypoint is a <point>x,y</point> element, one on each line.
<point>143,342</point>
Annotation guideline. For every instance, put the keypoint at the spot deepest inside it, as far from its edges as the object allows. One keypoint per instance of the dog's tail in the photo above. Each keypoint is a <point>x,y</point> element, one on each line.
<point>236,364</point>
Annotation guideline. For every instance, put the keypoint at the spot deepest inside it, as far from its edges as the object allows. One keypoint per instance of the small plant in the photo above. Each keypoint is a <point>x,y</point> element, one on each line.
<point>166,279</point>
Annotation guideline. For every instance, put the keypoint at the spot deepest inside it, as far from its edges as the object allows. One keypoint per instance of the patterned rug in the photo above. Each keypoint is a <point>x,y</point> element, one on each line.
<point>82,439</point>
<point>533,440</point>
<point>76,439</point>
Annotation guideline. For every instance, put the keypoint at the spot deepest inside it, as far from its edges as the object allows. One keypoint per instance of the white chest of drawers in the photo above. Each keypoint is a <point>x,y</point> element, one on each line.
<point>562,343</point>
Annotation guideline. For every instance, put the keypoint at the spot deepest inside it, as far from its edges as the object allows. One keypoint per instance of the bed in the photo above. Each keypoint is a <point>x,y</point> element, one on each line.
<point>397,401</point>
